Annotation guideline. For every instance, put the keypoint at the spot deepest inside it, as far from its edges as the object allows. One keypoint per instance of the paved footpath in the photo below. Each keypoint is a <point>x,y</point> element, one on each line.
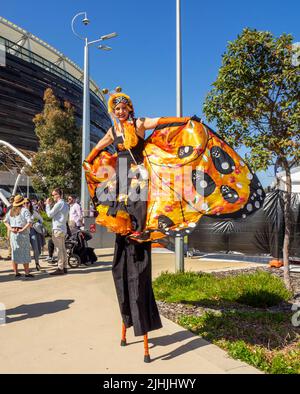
<point>71,324</point>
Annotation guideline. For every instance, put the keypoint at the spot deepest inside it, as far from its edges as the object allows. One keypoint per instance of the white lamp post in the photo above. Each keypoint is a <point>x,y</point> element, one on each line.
<point>86,103</point>
<point>179,241</point>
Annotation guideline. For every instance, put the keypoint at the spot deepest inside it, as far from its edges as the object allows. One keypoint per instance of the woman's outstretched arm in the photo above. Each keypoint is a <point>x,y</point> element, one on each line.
<point>147,123</point>
<point>102,143</point>
<point>151,123</point>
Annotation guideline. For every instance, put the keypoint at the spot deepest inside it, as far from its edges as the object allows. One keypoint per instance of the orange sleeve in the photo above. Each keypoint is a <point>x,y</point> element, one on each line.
<point>166,120</point>
<point>92,155</point>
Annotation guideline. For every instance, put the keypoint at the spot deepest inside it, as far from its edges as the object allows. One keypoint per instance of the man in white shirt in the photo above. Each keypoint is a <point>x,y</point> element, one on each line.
<point>75,215</point>
<point>59,215</point>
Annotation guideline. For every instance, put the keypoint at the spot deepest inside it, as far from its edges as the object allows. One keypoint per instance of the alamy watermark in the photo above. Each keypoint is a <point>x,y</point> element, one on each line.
<point>296,316</point>
<point>2,314</point>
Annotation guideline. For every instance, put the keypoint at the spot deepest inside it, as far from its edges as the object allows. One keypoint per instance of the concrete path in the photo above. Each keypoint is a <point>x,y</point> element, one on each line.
<point>71,324</point>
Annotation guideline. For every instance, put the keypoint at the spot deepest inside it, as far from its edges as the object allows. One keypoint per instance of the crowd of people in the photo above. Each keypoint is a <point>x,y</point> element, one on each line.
<point>24,221</point>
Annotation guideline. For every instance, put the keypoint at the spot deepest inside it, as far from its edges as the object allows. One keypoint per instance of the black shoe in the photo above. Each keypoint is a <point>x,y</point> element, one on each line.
<point>29,276</point>
<point>38,267</point>
<point>17,275</point>
<point>65,270</point>
<point>57,272</point>
<point>51,260</point>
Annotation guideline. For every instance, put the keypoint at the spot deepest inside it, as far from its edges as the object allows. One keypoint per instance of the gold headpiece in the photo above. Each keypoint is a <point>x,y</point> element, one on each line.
<point>117,98</point>
<point>130,136</point>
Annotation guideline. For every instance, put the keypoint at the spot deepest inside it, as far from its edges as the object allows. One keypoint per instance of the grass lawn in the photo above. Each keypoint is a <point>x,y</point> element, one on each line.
<point>234,316</point>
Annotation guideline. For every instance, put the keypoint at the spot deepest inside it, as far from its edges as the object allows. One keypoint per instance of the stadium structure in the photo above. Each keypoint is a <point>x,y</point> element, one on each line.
<point>28,66</point>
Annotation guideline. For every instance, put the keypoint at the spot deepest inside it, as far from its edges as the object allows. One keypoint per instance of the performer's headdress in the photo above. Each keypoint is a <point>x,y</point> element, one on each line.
<point>117,98</point>
<point>130,137</point>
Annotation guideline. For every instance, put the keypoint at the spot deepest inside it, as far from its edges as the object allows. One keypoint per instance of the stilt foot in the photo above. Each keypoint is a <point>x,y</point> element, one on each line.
<point>123,338</point>
<point>147,359</point>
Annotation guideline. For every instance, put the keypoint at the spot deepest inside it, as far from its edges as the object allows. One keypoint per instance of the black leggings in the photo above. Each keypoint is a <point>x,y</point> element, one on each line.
<point>132,276</point>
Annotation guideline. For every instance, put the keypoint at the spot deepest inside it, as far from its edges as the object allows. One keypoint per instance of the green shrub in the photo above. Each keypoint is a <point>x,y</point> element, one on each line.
<point>47,222</point>
<point>2,230</point>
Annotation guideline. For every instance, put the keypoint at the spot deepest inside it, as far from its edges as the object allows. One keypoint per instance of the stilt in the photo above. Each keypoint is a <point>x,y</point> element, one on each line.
<point>146,350</point>
<point>123,340</point>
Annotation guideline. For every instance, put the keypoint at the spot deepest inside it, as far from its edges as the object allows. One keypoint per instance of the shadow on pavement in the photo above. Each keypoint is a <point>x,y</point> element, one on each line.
<point>45,271</point>
<point>105,255</point>
<point>99,266</point>
<point>29,311</point>
<point>76,271</point>
<point>167,340</point>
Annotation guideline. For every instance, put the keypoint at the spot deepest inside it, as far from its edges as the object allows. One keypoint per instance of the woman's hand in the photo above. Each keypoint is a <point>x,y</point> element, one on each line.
<point>24,228</point>
<point>8,226</point>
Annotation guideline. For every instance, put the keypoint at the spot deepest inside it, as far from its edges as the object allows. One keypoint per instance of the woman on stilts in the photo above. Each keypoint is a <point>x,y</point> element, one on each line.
<point>132,256</point>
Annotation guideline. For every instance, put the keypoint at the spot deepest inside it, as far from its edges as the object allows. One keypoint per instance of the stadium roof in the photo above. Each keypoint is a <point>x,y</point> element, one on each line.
<point>23,38</point>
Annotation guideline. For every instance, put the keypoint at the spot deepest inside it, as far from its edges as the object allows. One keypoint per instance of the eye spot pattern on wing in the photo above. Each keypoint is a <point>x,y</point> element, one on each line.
<point>230,195</point>
<point>222,161</point>
<point>203,183</point>
<point>254,202</point>
<point>184,151</point>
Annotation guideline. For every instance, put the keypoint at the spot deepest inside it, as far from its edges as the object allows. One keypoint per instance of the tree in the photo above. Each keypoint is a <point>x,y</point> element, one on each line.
<point>256,102</point>
<point>58,160</point>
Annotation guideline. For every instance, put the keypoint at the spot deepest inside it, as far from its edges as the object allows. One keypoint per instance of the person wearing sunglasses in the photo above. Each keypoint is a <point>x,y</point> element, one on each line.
<point>59,214</point>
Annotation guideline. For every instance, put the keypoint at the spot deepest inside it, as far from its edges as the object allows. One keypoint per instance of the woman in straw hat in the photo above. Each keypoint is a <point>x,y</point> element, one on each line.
<point>18,221</point>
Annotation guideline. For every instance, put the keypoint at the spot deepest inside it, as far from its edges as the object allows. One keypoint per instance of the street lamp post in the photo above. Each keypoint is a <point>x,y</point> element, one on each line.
<point>86,103</point>
<point>179,241</point>
<point>178,61</point>
<point>85,128</point>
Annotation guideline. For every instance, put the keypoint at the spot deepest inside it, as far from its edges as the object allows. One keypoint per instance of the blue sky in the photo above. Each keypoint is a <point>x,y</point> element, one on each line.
<point>143,57</point>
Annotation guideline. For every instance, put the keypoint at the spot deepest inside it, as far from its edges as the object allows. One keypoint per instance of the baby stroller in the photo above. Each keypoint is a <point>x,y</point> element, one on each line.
<point>78,251</point>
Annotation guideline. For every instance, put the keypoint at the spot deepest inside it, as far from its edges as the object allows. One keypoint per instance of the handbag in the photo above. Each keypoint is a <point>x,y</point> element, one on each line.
<point>39,228</point>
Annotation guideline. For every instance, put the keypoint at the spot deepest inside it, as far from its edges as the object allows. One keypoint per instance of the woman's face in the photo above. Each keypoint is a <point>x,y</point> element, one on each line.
<point>121,112</point>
